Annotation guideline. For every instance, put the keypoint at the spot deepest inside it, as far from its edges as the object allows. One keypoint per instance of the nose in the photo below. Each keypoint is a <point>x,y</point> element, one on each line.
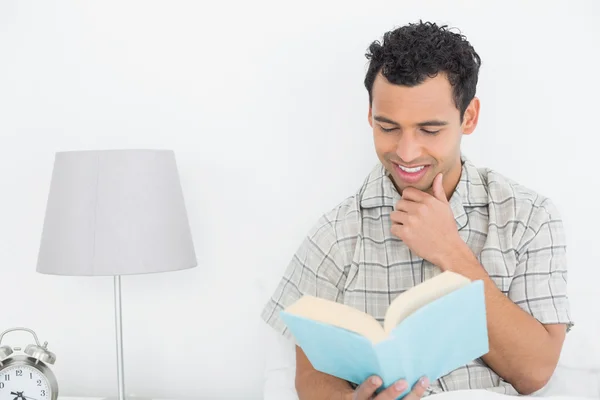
<point>408,148</point>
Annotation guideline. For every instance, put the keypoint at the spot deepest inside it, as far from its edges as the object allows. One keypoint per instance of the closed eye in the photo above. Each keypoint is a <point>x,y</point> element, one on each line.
<point>387,129</point>
<point>426,131</point>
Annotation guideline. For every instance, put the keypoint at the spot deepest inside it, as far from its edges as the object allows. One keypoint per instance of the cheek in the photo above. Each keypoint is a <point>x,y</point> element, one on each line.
<point>385,143</point>
<point>443,147</point>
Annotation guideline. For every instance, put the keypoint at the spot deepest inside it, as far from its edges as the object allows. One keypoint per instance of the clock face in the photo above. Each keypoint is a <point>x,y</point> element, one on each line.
<point>22,382</point>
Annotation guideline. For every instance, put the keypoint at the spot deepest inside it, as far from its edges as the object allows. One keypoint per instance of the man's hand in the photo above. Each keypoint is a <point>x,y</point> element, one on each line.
<point>426,223</point>
<point>367,389</point>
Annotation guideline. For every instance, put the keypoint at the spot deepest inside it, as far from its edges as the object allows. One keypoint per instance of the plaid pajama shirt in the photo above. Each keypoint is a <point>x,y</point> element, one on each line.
<point>351,257</point>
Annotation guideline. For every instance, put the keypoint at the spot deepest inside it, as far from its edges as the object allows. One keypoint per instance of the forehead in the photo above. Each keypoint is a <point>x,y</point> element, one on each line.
<point>429,99</point>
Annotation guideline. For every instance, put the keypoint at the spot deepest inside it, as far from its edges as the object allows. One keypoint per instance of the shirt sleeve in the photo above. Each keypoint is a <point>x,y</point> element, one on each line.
<point>316,269</point>
<point>539,285</point>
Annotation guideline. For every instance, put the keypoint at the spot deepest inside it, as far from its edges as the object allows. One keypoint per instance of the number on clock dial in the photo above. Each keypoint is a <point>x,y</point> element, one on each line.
<point>26,380</point>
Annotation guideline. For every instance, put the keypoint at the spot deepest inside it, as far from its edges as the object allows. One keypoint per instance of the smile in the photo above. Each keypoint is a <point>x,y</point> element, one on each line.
<point>411,175</point>
<point>411,170</point>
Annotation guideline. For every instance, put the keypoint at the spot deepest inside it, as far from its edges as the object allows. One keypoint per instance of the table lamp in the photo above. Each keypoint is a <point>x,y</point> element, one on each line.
<point>114,213</point>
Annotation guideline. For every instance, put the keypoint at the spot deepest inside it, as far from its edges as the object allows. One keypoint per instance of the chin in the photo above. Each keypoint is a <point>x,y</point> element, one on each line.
<point>425,185</point>
<point>423,188</point>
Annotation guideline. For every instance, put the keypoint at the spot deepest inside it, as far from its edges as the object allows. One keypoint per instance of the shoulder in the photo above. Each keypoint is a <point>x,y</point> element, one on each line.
<point>528,210</point>
<point>338,224</point>
<point>342,223</point>
<point>504,193</point>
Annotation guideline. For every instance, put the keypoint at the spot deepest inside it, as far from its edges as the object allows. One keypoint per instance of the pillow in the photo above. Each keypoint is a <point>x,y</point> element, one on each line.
<point>581,349</point>
<point>280,367</point>
<point>572,382</point>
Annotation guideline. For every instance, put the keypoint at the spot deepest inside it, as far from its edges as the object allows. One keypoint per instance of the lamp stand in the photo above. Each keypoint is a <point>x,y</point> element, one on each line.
<point>119,335</point>
<point>119,331</point>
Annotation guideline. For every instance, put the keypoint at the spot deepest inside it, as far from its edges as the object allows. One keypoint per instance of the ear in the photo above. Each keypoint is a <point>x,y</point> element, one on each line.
<point>471,117</point>
<point>370,116</point>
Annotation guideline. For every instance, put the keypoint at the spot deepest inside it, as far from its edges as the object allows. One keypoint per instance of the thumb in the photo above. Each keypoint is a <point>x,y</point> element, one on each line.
<point>438,188</point>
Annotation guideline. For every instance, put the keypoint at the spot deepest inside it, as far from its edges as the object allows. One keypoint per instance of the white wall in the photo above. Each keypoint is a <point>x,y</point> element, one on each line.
<point>256,98</point>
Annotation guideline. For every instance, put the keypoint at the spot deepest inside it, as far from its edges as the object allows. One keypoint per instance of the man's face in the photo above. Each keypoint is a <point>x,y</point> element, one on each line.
<point>417,132</point>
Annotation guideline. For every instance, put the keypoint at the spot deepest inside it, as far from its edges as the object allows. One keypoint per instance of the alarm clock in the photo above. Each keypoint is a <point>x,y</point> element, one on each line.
<point>27,376</point>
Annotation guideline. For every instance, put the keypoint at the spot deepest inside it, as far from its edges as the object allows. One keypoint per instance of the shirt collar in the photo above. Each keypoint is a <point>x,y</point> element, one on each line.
<point>471,191</point>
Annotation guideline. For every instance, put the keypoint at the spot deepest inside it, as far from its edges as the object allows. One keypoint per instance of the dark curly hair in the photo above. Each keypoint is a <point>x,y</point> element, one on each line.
<point>413,52</point>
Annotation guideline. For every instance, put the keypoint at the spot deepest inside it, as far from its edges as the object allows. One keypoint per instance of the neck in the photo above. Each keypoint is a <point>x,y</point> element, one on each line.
<point>450,180</point>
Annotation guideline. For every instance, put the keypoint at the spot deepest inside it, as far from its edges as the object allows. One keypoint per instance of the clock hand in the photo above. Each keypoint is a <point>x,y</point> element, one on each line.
<point>22,396</point>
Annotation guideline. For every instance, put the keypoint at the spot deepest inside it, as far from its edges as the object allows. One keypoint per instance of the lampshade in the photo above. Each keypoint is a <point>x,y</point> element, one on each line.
<point>115,212</point>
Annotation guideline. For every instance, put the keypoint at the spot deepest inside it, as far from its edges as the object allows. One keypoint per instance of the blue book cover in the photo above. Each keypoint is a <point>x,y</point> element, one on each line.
<point>430,330</point>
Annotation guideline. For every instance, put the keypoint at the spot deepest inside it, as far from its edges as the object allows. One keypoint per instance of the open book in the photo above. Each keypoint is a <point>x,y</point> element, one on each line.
<point>428,330</point>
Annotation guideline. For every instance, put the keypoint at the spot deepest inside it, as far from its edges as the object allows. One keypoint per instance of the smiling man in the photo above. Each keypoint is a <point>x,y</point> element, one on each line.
<point>424,209</point>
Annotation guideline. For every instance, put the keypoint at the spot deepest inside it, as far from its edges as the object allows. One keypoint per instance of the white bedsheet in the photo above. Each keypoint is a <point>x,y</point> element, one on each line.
<point>486,395</point>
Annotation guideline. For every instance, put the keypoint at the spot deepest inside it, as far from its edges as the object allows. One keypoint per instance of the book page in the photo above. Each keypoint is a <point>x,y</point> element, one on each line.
<point>337,314</point>
<point>420,295</point>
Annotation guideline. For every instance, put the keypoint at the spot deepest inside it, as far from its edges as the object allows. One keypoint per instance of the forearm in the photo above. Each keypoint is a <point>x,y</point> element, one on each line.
<point>315,385</point>
<point>522,351</point>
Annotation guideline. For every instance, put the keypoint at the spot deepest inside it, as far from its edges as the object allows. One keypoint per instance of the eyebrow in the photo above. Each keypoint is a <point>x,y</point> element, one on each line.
<point>432,122</point>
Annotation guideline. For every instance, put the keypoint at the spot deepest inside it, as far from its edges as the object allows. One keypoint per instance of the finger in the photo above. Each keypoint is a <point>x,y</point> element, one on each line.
<point>438,188</point>
<point>412,207</point>
<point>392,392</point>
<point>400,231</point>
<point>412,194</point>
<point>418,389</point>
<point>399,217</point>
<point>367,388</point>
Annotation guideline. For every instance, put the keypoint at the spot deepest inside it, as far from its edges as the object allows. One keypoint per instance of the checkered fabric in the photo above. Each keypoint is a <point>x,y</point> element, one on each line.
<point>351,257</point>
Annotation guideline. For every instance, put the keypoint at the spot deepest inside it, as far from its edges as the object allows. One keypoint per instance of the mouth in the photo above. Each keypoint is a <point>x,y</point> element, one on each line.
<point>411,174</point>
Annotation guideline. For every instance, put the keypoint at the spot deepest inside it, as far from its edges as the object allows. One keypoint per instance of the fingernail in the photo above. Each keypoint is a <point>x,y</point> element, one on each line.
<point>424,382</point>
<point>375,380</point>
<point>400,386</point>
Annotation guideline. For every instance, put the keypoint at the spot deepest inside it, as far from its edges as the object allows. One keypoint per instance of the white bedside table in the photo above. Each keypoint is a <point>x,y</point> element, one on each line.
<point>79,398</point>
<point>105,398</point>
